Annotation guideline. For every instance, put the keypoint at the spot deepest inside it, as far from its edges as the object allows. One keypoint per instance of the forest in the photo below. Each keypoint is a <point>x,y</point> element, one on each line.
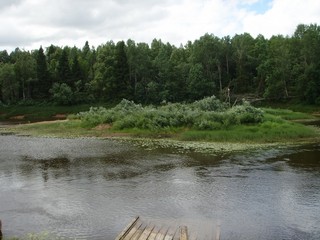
<point>279,68</point>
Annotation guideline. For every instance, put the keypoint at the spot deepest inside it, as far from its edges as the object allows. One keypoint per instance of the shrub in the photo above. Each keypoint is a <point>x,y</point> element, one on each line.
<point>209,104</point>
<point>127,106</point>
<point>204,124</point>
<point>61,94</point>
<point>245,114</point>
<point>206,114</point>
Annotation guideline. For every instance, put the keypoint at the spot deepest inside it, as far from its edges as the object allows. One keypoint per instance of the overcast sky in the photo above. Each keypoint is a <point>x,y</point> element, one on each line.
<point>27,24</point>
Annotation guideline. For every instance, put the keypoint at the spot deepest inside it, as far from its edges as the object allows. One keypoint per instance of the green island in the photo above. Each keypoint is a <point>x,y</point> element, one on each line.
<point>206,124</point>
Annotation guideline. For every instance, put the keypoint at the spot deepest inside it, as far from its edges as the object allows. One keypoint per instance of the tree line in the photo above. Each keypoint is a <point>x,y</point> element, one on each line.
<point>281,67</point>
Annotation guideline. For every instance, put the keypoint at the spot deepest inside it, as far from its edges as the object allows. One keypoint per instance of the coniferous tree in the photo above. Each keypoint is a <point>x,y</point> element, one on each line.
<point>63,68</point>
<point>4,56</point>
<point>279,67</point>
<point>43,84</point>
<point>122,86</point>
<point>75,69</point>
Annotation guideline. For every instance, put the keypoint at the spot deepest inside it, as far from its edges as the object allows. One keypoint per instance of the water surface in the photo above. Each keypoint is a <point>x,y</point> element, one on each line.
<point>91,189</point>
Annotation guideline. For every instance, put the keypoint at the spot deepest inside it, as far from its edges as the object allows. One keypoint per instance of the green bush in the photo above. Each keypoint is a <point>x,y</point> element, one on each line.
<point>61,94</point>
<point>246,113</point>
<point>210,104</point>
<point>206,114</point>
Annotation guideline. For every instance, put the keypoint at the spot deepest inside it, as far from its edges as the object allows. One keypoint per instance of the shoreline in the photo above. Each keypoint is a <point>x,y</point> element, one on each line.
<point>151,143</point>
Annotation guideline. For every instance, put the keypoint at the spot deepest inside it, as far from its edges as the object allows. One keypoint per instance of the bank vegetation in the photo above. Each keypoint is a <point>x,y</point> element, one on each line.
<point>208,120</point>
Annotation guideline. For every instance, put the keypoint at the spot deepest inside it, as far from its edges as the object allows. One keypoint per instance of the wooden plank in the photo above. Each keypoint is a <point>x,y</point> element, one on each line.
<point>217,236</point>
<point>183,233</point>
<point>154,233</point>
<point>177,234</point>
<point>139,231</point>
<point>146,233</point>
<point>162,233</point>
<point>170,234</point>
<point>129,235</point>
<point>127,229</point>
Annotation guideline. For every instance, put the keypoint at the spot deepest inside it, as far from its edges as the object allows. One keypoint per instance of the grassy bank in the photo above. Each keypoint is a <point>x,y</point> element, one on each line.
<point>38,112</point>
<point>206,120</point>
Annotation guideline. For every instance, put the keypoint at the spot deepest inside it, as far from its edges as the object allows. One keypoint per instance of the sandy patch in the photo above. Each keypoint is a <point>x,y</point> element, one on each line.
<point>18,117</point>
<point>45,122</point>
<point>60,116</point>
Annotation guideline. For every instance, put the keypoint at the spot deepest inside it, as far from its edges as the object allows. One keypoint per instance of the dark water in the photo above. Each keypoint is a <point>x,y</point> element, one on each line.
<point>91,189</point>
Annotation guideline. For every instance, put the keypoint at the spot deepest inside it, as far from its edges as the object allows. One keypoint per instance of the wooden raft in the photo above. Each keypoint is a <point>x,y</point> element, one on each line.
<point>140,230</point>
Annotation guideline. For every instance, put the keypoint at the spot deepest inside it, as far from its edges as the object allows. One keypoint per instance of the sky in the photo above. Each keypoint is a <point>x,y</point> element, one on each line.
<point>29,24</point>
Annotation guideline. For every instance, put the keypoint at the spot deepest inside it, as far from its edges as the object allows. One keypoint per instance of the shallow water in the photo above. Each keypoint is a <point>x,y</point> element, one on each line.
<point>91,189</point>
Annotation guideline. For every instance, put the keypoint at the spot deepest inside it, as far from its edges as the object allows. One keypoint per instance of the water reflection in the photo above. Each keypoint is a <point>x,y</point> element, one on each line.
<point>305,158</point>
<point>90,189</point>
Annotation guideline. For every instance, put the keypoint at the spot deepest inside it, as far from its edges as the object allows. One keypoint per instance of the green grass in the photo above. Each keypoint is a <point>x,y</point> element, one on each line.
<point>288,114</point>
<point>293,106</point>
<point>40,112</point>
<point>56,128</point>
<point>266,132</point>
<point>187,122</point>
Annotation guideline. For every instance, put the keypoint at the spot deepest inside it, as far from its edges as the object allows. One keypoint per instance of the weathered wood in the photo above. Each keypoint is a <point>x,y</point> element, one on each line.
<point>154,233</point>
<point>183,233</point>
<point>177,234</point>
<point>127,229</point>
<point>133,230</point>
<point>217,237</point>
<point>146,233</point>
<point>143,230</point>
<point>162,233</point>
<point>170,234</point>
<point>139,231</point>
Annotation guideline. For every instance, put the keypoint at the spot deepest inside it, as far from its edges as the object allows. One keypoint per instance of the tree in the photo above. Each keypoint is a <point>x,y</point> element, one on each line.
<point>122,87</point>
<point>307,64</point>
<point>104,80</point>
<point>162,73</point>
<point>63,68</point>
<point>61,94</point>
<point>143,72</point>
<point>86,60</point>
<point>279,68</point>
<point>9,86</point>
<point>4,57</point>
<point>53,54</point>
<point>243,46</point>
<point>76,72</point>
<point>208,52</point>
<point>43,84</point>
<point>198,86</point>
<point>25,71</point>
<point>177,86</point>
<point>261,55</point>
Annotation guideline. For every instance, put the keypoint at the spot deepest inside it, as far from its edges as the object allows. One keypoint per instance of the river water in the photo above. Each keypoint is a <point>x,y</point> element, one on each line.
<point>91,189</point>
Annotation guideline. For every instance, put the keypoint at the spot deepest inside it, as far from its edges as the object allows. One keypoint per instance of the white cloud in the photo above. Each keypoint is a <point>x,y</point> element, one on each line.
<point>31,23</point>
<point>283,17</point>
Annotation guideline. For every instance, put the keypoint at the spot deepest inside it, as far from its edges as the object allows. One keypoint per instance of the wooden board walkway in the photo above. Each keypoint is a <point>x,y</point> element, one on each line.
<point>146,230</point>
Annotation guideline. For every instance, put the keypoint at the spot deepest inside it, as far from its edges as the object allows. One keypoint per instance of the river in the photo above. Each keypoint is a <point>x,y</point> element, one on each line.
<point>91,189</point>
